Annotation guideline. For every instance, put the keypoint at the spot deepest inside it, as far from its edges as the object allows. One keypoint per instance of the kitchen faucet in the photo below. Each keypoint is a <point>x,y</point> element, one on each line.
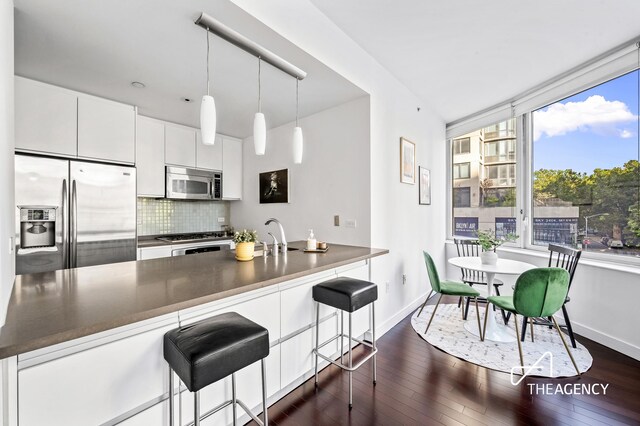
<point>283,240</point>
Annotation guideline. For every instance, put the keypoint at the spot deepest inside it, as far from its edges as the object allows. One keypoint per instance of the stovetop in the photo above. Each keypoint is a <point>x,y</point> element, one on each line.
<point>200,236</point>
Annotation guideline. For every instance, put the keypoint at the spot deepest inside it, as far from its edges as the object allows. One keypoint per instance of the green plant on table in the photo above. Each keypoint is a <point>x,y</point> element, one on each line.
<point>245,236</point>
<point>489,242</point>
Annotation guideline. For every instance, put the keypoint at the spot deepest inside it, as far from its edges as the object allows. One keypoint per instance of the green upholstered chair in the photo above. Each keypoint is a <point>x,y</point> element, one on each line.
<point>451,288</point>
<point>539,292</point>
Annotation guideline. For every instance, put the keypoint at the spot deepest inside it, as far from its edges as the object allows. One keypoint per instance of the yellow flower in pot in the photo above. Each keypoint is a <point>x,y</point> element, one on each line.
<point>245,243</point>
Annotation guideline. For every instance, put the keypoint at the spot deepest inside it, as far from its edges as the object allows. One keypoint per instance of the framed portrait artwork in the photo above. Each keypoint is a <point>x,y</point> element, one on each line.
<point>274,186</point>
<point>407,161</point>
<point>424,189</point>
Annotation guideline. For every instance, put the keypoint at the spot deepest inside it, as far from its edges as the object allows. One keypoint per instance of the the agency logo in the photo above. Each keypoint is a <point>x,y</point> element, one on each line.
<point>526,370</point>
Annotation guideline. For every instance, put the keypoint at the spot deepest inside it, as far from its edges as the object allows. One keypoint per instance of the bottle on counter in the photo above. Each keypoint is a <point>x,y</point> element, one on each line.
<point>311,241</point>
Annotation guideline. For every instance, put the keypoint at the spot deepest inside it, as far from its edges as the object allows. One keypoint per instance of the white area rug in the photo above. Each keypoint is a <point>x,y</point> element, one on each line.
<point>448,334</point>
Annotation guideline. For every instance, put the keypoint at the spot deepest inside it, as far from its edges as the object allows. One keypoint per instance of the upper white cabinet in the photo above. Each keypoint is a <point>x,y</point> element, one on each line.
<point>150,157</point>
<point>180,145</point>
<point>207,156</point>
<point>46,117</point>
<point>231,168</point>
<point>106,130</point>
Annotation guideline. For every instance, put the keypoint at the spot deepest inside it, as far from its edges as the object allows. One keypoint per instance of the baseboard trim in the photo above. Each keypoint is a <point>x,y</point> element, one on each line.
<point>395,319</point>
<point>608,341</point>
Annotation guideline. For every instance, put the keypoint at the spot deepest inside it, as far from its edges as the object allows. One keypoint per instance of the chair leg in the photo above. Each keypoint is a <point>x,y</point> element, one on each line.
<point>569,328</point>
<point>531,325</point>
<point>459,301</point>
<point>350,366</point>
<point>466,310</point>
<point>515,320</point>
<point>196,409</point>
<point>475,299</point>
<point>171,402</point>
<point>486,315</point>
<point>234,399</point>
<point>317,340</point>
<point>524,328</point>
<point>433,314</point>
<point>425,302</point>
<point>265,415</point>
<point>550,323</point>
<point>505,316</point>
<point>565,346</point>
<point>373,340</point>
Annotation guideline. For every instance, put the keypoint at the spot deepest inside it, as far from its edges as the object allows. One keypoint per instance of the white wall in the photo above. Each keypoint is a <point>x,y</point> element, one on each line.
<point>7,263</point>
<point>333,178</point>
<point>398,223</point>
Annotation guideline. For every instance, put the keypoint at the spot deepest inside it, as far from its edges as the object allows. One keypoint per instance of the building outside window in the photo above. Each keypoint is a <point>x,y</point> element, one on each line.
<point>462,171</point>
<point>462,197</point>
<point>461,146</point>
<point>586,162</point>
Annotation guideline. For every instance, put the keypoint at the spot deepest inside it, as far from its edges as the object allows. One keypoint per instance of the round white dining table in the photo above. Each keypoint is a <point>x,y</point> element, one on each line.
<point>495,331</point>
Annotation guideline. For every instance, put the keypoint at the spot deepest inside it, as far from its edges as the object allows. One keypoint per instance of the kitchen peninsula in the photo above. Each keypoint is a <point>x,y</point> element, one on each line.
<point>105,325</point>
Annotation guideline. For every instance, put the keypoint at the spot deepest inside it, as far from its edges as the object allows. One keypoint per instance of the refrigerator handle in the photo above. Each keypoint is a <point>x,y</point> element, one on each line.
<point>74,225</point>
<point>65,233</point>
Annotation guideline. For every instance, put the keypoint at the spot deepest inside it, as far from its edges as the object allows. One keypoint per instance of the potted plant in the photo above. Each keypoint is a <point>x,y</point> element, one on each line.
<point>489,243</point>
<point>245,243</point>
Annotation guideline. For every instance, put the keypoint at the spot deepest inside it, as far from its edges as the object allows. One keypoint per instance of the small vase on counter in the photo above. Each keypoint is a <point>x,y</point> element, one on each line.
<point>489,257</point>
<point>245,243</point>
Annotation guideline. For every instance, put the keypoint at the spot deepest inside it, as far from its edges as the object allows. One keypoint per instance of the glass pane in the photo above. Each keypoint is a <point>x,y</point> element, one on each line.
<point>484,187</point>
<point>586,170</point>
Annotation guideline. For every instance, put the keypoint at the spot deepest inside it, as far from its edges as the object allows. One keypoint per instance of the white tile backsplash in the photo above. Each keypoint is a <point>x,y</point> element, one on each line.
<point>160,216</point>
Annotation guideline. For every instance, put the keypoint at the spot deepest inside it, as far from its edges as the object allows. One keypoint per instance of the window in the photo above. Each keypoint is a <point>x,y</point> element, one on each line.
<point>462,171</point>
<point>461,146</point>
<point>489,200</point>
<point>462,197</point>
<point>586,170</point>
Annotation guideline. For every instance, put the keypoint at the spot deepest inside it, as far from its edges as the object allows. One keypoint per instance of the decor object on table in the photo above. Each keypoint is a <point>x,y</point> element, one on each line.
<point>449,334</point>
<point>245,244</point>
<point>450,288</point>
<point>407,161</point>
<point>424,190</point>
<point>539,292</point>
<point>489,243</point>
<point>274,186</point>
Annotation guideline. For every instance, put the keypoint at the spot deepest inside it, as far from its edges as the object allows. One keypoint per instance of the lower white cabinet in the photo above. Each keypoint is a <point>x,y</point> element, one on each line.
<point>96,385</point>
<point>157,415</point>
<point>154,252</point>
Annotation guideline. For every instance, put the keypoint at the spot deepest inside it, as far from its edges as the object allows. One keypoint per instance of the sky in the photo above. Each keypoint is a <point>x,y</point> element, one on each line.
<point>597,128</point>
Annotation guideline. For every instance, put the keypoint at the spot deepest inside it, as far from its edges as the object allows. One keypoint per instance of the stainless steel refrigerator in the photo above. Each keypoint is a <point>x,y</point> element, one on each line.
<point>72,213</point>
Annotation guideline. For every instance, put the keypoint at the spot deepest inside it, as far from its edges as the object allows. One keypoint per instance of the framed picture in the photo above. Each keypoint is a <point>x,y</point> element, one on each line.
<point>424,189</point>
<point>407,161</point>
<point>274,186</point>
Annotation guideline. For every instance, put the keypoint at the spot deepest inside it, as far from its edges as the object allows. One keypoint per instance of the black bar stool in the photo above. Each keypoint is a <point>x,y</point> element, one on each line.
<point>346,294</point>
<point>212,349</point>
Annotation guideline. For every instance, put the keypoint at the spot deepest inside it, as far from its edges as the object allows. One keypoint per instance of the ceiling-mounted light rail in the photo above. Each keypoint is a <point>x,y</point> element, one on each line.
<point>237,39</point>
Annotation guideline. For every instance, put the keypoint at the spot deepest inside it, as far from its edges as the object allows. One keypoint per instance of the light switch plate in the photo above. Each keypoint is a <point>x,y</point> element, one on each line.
<point>350,223</point>
<point>221,220</point>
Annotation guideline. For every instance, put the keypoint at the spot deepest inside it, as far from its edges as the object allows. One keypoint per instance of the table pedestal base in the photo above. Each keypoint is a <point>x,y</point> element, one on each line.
<point>495,332</point>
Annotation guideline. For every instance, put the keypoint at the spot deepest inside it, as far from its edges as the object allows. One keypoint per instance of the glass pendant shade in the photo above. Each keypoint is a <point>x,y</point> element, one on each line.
<point>259,133</point>
<point>208,120</point>
<point>297,145</point>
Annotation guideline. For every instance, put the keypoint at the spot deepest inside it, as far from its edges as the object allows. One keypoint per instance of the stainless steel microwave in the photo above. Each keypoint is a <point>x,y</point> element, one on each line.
<point>193,184</point>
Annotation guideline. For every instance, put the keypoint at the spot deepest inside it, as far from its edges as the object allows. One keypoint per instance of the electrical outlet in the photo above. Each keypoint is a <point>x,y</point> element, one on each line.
<point>221,220</point>
<point>336,220</point>
<point>350,223</point>
<point>11,245</point>
<point>404,279</point>
<point>386,287</point>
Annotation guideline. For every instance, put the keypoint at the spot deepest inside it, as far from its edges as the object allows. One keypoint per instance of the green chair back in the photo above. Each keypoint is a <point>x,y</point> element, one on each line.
<point>432,271</point>
<point>540,292</point>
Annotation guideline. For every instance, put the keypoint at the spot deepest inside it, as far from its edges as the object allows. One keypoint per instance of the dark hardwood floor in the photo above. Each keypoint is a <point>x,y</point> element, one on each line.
<point>421,385</point>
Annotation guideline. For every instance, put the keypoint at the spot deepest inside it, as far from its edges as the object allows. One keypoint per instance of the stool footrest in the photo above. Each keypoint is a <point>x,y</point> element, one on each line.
<point>344,367</point>
<point>225,405</point>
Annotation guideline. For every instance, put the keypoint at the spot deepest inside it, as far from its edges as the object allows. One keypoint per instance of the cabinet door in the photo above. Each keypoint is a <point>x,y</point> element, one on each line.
<point>150,157</point>
<point>158,415</point>
<point>231,168</point>
<point>46,118</point>
<point>207,156</point>
<point>155,252</point>
<point>106,130</point>
<point>180,145</point>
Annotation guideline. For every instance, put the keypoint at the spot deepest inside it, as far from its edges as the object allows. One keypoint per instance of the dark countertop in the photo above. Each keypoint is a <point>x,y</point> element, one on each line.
<point>55,307</point>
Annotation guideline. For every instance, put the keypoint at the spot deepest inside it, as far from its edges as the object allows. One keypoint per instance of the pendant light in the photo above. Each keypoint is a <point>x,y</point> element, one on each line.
<point>259,125</point>
<point>297,134</point>
<point>208,111</point>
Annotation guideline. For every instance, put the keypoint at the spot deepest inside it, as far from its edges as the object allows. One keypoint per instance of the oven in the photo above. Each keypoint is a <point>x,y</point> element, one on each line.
<point>204,247</point>
<point>193,184</point>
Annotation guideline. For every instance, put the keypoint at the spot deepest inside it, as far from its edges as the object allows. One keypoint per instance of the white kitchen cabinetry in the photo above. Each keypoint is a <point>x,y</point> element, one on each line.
<point>106,130</point>
<point>46,118</point>
<point>98,384</point>
<point>156,415</point>
<point>150,157</point>
<point>231,168</point>
<point>207,156</point>
<point>145,253</point>
<point>180,145</point>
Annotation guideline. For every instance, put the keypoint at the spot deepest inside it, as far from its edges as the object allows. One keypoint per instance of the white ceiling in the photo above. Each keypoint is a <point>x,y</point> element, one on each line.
<point>462,56</point>
<point>101,46</point>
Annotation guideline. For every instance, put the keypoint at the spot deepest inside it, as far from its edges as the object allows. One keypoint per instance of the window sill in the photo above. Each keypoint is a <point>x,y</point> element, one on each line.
<point>597,263</point>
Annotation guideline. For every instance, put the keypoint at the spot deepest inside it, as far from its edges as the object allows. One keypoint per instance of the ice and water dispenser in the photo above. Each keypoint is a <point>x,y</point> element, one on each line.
<point>37,226</point>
